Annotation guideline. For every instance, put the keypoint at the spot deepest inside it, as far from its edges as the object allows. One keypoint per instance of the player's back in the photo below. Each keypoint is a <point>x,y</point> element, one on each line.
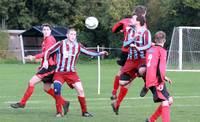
<point>154,56</point>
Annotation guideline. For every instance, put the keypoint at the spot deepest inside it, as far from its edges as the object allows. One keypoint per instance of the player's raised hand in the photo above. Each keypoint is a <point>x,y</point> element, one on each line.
<point>104,53</point>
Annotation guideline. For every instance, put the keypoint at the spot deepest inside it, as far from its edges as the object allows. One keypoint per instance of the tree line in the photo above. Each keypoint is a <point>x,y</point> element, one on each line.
<point>161,15</point>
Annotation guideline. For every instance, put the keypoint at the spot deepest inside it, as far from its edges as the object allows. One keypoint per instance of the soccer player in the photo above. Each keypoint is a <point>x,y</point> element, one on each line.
<point>68,52</point>
<point>43,75</point>
<point>155,78</point>
<point>139,40</point>
<point>122,27</point>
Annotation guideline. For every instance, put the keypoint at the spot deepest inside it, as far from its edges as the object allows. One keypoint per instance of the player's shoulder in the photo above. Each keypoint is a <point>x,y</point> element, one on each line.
<point>121,24</point>
<point>155,48</point>
<point>160,49</point>
<point>51,38</point>
<point>125,20</point>
<point>151,49</point>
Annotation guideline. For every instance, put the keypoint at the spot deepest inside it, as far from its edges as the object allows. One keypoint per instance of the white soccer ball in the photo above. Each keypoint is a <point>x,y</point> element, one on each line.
<point>91,22</point>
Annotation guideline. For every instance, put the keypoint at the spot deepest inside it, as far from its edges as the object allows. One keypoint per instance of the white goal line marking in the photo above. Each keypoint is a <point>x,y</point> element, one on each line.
<point>107,99</point>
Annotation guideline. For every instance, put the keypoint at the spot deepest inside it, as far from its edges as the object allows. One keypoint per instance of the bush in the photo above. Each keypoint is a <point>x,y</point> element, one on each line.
<point>5,55</point>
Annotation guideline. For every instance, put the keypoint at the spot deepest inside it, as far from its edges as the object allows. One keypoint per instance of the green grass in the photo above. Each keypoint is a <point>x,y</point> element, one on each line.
<point>41,107</point>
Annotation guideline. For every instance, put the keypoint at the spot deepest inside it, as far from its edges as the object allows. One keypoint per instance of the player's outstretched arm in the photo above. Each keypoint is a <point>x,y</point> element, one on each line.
<point>168,80</point>
<point>92,52</point>
<point>29,57</point>
<point>104,53</point>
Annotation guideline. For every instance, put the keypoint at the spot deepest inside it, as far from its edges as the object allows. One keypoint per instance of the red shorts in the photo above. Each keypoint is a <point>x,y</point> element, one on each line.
<point>68,77</point>
<point>131,67</point>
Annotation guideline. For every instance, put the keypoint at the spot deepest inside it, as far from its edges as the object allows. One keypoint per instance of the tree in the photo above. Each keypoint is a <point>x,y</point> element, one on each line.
<point>18,16</point>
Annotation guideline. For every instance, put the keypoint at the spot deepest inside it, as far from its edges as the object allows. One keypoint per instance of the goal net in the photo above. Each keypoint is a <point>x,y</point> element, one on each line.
<point>184,52</point>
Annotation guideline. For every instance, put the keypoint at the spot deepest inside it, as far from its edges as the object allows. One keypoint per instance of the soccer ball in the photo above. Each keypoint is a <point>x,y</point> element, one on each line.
<point>91,22</point>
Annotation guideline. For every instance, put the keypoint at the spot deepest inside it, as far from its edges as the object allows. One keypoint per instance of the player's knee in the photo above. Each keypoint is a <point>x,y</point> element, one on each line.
<point>165,103</point>
<point>34,80</point>
<point>81,92</point>
<point>124,79</point>
<point>46,87</point>
<point>123,82</point>
<point>57,88</point>
<point>171,100</point>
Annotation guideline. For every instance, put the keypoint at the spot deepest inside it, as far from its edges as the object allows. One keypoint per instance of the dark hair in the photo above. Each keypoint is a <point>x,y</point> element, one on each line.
<point>160,37</point>
<point>139,10</point>
<point>141,19</point>
<point>46,25</point>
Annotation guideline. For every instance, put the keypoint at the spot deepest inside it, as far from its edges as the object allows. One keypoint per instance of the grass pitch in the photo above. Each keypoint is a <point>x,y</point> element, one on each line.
<point>41,107</point>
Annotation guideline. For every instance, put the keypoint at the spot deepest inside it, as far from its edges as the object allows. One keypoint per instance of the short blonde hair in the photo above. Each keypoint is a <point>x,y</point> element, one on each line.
<point>160,37</point>
<point>71,29</point>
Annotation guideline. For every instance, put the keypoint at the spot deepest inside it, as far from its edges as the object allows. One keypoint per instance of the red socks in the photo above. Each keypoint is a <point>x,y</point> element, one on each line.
<point>51,92</point>
<point>156,114</point>
<point>27,95</point>
<point>165,114</point>
<point>58,103</point>
<point>116,85</point>
<point>164,111</point>
<point>122,94</point>
<point>82,103</point>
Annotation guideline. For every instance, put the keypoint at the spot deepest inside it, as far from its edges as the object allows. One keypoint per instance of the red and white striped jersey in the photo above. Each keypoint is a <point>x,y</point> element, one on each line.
<point>67,54</point>
<point>142,40</point>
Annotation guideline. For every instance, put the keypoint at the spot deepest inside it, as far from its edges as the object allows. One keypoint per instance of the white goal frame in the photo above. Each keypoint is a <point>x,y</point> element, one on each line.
<point>180,49</point>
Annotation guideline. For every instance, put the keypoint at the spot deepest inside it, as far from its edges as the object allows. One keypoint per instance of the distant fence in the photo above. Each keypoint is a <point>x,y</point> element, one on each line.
<point>17,53</point>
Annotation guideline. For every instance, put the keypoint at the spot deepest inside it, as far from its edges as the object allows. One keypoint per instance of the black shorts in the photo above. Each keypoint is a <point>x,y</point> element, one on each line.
<point>123,58</point>
<point>46,74</point>
<point>159,96</point>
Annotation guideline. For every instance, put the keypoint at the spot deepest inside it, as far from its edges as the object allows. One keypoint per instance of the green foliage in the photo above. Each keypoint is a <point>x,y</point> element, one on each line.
<point>161,15</point>
<point>18,14</point>
<point>4,40</point>
<point>5,55</point>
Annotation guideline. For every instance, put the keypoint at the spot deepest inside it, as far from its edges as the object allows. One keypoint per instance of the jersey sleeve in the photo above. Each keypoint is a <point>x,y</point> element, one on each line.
<point>162,65</point>
<point>130,37</point>
<point>51,50</point>
<point>88,52</point>
<point>48,43</point>
<point>121,25</point>
<point>147,40</point>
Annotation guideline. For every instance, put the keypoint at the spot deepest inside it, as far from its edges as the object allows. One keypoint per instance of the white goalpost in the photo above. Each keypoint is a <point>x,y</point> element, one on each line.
<point>184,52</point>
<point>99,73</point>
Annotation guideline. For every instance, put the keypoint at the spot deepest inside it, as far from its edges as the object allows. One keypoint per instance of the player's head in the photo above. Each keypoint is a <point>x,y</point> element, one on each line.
<point>46,29</point>
<point>71,34</point>
<point>138,20</point>
<point>160,37</point>
<point>140,10</point>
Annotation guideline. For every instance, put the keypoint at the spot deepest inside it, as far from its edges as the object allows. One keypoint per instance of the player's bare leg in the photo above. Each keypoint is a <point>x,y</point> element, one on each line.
<point>29,91</point>
<point>81,97</point>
